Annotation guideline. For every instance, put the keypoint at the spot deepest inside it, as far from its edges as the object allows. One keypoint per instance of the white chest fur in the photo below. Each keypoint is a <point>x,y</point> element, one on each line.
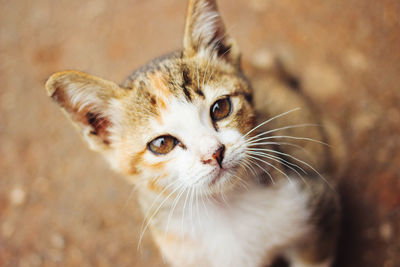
<point>243,229</point>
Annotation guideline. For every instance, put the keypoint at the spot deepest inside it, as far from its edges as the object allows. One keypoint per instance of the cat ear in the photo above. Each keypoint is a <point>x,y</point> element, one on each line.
<point>85,99</point>
<point>205,33</point>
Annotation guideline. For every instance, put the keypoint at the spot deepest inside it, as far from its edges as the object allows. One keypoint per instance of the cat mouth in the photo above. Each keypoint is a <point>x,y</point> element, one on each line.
<point>223,172</point>
<point>218,176</point>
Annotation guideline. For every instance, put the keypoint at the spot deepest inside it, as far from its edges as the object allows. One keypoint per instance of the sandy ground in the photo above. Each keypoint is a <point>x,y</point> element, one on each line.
<point>60,205</point>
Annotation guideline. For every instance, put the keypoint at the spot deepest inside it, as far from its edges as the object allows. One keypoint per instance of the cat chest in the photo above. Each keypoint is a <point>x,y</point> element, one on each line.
<point>243,232</point>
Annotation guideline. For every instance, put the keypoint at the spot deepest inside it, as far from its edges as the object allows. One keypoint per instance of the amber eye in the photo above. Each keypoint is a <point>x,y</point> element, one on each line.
<point>162,144</point>
<point>221,109</point>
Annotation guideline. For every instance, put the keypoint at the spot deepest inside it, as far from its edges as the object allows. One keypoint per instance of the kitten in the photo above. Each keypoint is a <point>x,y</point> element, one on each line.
<point>216,189</point>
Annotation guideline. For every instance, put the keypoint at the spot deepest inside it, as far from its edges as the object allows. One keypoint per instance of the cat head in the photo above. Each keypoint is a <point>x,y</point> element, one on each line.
<point>178,122</point>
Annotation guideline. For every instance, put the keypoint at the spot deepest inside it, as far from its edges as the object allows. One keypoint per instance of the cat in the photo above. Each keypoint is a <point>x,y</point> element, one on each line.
<point>216,188</point>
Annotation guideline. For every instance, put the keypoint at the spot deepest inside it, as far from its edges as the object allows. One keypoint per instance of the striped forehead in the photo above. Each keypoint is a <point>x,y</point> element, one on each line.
<point>176,83</point>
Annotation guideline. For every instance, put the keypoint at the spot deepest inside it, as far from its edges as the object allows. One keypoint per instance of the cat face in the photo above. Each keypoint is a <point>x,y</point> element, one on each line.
<point>179,122</point>
<point>192,129</point>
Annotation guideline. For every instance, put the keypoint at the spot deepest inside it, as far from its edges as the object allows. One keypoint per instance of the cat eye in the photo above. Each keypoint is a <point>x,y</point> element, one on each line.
<point>221,109</point>
<point>162,144</point>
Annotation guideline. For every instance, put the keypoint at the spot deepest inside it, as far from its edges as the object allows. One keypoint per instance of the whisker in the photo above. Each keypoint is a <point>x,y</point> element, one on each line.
<point>242,182</point>
<point>283,143</point>
<point>197,208</point>
<point>191,208</point>
<point>248,163</point>
<point>154,213</point>
<point>254,142</point>
<point>243,163</point>
<point>269,164</point>
<point>271,119</point>
<point>303,162</point>
<point>204,205</point>
<point>155,200</point>
<point>174,204</point>
<point>265,171</point>
<point>284,128</point>
<point>183,214</point>
<point>257,150</point>
<point>283,162</point>
<point>247,169</point>
<point>224,199</point>
<point>135,187</point>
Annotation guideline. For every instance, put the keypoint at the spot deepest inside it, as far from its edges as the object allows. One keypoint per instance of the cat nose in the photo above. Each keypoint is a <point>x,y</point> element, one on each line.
<point>218,155</point>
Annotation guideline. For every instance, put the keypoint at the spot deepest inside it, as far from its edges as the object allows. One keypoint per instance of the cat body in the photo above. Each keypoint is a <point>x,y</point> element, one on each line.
<point>216,188</point>
<point>246,228</point>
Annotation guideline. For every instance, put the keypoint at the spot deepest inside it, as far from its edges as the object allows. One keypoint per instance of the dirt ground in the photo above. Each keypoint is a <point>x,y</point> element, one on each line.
<point>60,205</point>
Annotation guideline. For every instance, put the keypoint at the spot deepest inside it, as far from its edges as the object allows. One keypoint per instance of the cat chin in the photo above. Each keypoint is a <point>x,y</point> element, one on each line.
<point>219,178</point>
<point>223,179</point>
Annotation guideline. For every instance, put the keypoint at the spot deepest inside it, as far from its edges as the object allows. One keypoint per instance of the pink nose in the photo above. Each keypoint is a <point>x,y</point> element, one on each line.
<point>218,156</point>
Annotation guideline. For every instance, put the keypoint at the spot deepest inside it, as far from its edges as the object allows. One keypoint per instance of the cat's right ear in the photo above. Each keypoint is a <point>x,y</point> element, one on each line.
<point>205,34</point>
<point>85,100</point>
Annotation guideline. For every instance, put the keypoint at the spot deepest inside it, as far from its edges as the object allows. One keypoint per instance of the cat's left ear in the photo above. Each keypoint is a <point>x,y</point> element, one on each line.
<point>205,33</point>
<point>86,100</point>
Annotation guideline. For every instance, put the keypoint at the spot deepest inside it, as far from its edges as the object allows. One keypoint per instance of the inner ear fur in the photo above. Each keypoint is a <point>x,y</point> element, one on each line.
<point>205,33</point>
<point>85,99</point>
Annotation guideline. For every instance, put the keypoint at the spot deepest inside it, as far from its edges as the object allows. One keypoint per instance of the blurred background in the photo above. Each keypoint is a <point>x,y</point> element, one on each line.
<point>60,205</point>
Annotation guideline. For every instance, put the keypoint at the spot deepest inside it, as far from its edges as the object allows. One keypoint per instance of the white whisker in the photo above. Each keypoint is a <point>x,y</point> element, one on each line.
<point>261,150</point>
<point>265,171</point>
<point>134,189</point>
<point>303,162</point>
<point>224,199</point>
<point>183,214</point>
<point>204,205</point>
<point>271,119</point>
<point>199,219</point>
<point>154,213</point>
<point>155,200</point>
<point>249,162</point>
<point>283,162</point>
<point>254,142</point>
<point>174,204</point>
<point>281,144</point>
<point>284,128</point>
<point>191,208</point>
<point>242,182</point>
<point>269,164</point>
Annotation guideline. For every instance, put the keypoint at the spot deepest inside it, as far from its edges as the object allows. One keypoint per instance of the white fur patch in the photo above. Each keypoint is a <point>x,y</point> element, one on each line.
<point>250,229</point>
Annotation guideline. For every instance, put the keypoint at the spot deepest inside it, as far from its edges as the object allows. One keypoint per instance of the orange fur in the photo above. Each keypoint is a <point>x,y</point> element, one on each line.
<point>154,186</point>
<point>158,83</point>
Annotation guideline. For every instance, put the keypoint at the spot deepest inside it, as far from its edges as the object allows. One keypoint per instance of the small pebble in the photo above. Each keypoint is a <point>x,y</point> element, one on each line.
<point>356,60</point>
<point>58,241</point>
<point>263,59</point>
<point>386,231</point>
<point>17,196</point>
